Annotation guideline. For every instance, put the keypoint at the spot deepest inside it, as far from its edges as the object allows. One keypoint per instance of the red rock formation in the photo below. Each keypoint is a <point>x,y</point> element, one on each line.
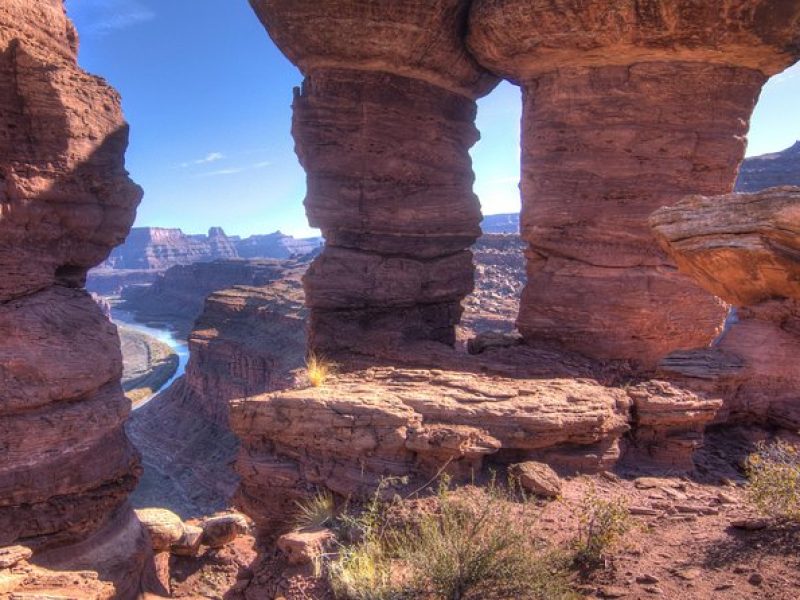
<point>628,106</point>
<point>383,126</point>
<point>66,466</point>
<point>746,249</point>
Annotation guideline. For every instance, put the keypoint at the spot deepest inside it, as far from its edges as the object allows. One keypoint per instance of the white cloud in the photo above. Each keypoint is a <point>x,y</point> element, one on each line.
<point>102,17</point>
<point>234,170</point>
<point>208,158</point>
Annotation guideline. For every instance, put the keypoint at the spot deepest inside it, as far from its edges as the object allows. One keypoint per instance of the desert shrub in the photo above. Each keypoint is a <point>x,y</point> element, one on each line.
<point>470,546</point>
<point>318,369</point>
<point>774,480</point>
<point>601,525</point>
<point>317,511</point>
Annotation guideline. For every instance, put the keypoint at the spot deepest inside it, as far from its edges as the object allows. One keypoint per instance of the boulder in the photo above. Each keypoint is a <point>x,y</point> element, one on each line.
<point>221,530</point>
<point>305,546</point>
<point>166,529</point>
<point>537,478</point>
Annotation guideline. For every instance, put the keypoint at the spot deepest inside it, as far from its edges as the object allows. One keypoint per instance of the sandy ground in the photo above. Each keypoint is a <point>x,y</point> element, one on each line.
<point>147,364</point>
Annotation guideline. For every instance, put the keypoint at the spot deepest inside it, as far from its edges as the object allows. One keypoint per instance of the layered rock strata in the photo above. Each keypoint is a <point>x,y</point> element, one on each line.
<point>627,107</point>
<point>383,125</point>
<point>746,249</point>
<point>66,466</point>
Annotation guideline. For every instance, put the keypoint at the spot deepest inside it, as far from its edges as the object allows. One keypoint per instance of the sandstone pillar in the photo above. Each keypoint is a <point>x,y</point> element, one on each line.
<point>383,125</point>
<point>66,466</point>
<point>744,248</point>
<point>628,106</point>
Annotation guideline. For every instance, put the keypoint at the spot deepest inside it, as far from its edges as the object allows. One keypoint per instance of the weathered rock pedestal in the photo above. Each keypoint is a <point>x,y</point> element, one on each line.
<point>66,466</point>
<point>744,248</point>
<point>383,125</point>
<point>628,106</point>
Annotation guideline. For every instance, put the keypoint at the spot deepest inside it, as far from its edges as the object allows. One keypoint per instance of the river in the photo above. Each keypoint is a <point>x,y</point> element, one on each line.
<point>180,347</point>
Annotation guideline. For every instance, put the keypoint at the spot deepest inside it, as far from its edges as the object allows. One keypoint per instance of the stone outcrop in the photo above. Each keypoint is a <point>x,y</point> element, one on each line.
<point>159,248</point>
<point>409,423</point>
<point>383,125</point>
<point>628,107</point>
<point>175,299</point>
<point>746,249</point>
<point>66,466</point>
<point>770,170</point>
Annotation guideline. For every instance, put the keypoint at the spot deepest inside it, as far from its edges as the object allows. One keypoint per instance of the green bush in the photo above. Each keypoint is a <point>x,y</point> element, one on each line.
<point>774,480</point>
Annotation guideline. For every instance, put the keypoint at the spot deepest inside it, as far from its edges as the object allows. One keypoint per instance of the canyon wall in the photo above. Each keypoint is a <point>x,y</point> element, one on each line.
<point>383,125</point>
<point>247,341</point>
<point>627,108</point>
<point>175,299</point>
<point>66,466</point>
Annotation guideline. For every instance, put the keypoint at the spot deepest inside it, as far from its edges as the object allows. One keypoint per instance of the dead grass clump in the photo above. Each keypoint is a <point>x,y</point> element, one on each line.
<point>774,480</point>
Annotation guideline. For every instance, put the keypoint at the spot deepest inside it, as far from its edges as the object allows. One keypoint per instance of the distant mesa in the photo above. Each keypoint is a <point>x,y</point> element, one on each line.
<point>505,223</point>
<point>770,170</point>
<point>157,248</point>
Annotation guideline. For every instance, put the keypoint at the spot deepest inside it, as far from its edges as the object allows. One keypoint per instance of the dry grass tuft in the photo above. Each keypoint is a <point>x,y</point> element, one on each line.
<point>318,369</point>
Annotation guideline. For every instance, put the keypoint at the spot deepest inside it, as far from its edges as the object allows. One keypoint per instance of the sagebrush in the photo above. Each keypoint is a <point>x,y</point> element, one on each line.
<point>773,488</point>
<point>467,546</point>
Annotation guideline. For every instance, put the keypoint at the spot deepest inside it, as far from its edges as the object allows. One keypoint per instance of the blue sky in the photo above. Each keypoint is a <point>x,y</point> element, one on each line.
<point>208,98</point>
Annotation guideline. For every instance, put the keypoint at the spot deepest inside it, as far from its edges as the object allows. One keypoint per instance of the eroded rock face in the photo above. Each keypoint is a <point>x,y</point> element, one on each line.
<point>66,466</point>
<point>383,124</point>
<point>746,249</point>
<point>627,108</point>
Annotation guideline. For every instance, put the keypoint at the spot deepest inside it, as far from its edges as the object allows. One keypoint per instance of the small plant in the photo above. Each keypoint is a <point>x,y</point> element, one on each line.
<point>601,524</point>
<point>774,480</point>
<point>315,512</point>
<point>318,369</point>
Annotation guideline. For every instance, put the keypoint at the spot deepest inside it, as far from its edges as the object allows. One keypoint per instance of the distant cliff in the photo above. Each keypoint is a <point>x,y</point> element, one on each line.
<point>507,223</point>
<point>158,248</point>
<point>770,170</point>
<point>275,245</point>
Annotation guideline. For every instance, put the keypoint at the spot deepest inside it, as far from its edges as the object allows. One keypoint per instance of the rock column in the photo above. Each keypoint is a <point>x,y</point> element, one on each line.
<point>383,125</point>
<point>66,466</point>
<point>628,106</point>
